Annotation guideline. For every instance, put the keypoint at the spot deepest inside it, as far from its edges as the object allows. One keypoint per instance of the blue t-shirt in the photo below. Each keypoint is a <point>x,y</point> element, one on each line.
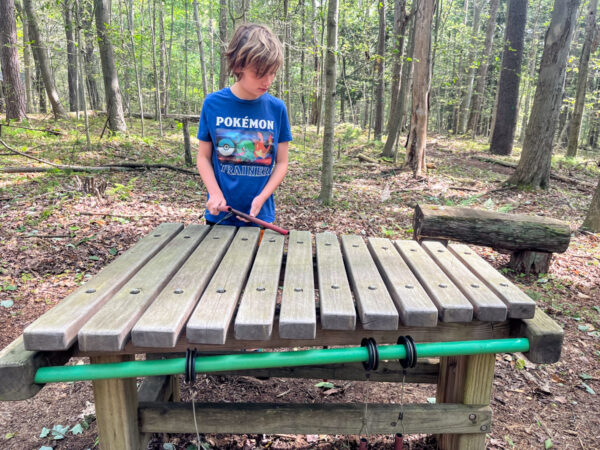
<point>244,134</point>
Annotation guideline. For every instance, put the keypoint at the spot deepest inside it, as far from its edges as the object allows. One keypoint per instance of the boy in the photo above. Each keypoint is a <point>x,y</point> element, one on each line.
<point>244,132</point>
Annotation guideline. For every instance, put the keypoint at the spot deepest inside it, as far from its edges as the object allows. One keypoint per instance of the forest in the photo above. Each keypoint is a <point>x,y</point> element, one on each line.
<point>484,104</point>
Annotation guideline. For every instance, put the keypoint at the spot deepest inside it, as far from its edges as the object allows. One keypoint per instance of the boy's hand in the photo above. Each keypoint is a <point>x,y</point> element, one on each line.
<point>257,205</point>
<point>214,203</point>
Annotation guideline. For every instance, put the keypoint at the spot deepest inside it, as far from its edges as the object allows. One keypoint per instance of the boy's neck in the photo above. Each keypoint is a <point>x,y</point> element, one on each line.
<point>241,93</point>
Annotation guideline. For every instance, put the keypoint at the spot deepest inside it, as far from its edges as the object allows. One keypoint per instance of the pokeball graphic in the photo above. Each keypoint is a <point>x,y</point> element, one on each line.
<point>226,147</point>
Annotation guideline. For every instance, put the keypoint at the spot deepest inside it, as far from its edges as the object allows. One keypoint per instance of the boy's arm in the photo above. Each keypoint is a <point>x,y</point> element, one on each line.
<point>207,173</point>
<point>277,176</point>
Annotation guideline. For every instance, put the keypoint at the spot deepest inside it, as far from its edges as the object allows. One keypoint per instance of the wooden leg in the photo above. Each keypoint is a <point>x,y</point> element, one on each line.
<point>116,409</point>
<point>468,380</point>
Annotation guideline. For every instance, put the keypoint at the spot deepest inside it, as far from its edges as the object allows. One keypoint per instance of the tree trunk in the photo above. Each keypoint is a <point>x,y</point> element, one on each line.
<point>302,61</point>
<point>379,68</point>
<point>71,55</point>
<point>201,48</point>
<point>88,56</point>
<point>533,169</point>
<point>466,101</point>
<point>40,55</point>
<point>114,105</point>
<point>326,194</point>
<point>26,58</point>
<point>287,58</point>
<point>168,82</point>
<point>590,31</point>
<point>508,86</point>
<point>157,110</point>
<point>14,91</point>
<point>135,64</point>
<point>592,219</point>
<point>415,152</point>
<point>406,78</point>
<point>80,73</point>
<point>400,21</point>
<point>315,97</point>
<point>223,43</point>
<point>478,95</point>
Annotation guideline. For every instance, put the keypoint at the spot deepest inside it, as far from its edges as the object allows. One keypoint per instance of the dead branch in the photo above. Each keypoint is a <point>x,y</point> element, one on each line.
<point>85,213</point>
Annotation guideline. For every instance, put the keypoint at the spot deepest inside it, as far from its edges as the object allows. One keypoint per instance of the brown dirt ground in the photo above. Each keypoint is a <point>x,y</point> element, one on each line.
<point>54,239</point>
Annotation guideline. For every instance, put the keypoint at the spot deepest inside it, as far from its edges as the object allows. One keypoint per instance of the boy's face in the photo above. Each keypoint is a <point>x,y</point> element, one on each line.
<point>251,86</point>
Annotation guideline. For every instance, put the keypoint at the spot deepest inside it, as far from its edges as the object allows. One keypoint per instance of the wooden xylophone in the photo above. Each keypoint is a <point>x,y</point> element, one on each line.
<point>191,283</point>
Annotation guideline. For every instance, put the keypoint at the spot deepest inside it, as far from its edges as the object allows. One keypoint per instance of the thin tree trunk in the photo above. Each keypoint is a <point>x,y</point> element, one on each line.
<point>135,64</point>
<point>466,103</point>
<point>211,31</point>
<point>26,58</point>
<point>169,59</point>
<point>315,98</point>
<point>162,54</point>
<point>415,152</point>
<point>302,60</point>
<point>114,105</point>
<point>222,44</point>
<point>590,31</point>
<point>185,61</point>
<point>200,48</point>
<point>81,72</point>
<point>326,194</point>
<point>592,219</point>
<point>155,68</point>
<point>9,60</point>
<point>71,56</point>
<point>88,56</point>
<point>400,21</point>
<point>508,86</point>
<point>533,169</point>
<point>287,58</point>
<point>379,68</point>
<point>406,79</point>
<point>41,57</point>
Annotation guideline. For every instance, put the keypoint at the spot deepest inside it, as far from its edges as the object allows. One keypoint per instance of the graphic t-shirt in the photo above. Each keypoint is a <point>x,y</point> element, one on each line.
<point>244,134</point>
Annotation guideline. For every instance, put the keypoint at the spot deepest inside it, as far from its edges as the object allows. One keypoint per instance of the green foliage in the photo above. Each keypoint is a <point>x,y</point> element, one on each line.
<point>121,191</point>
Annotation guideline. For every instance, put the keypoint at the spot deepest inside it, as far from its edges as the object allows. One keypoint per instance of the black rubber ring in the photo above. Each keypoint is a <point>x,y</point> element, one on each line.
<point>193,366</point>
<point>187,365</point>
<point>375,353</point>
<point>368,365</point>
<point>414,351</point>
<point>408,359</point>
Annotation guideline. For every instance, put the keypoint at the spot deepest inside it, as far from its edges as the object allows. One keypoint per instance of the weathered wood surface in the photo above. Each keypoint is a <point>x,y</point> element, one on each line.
<point>335,296</point>
<point>298,317</point>
<point>254,319</point>
<point>497,230</point>
<point>116,404</point>
<point>209,323</point>
<point>486,305</point>
<point>545,337</point>
<point>443,332</point>
<point>425,372</point>
<point>110,327</point>
<point>519,304</point>
<point>162,323</point>
<point>272,418</point>
<point>452,305</point>
<point>375,306</point>
<point>57,329</point>
<point>413,303</point>
<point>18,367</point>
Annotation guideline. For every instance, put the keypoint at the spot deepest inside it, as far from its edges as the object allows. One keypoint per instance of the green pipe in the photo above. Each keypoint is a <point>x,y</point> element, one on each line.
<point>265,360</point>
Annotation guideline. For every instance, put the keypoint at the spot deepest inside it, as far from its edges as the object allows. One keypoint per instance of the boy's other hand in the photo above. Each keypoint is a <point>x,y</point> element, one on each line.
<point>214,203</point>
<point>257,205</point>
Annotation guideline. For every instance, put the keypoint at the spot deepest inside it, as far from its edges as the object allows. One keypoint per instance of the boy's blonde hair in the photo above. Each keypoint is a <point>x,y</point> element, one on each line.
<point>254,45</point>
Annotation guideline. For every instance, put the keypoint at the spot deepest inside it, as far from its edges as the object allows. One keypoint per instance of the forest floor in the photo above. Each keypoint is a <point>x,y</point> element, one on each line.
<point>54,237</point>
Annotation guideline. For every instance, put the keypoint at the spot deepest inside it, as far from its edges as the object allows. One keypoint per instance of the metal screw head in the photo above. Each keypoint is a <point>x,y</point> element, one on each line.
<point>327,244</point>
<point>467,253</point>
<point>413,249</point>
<point>503,284</point>
<point>216,237</point>
<point>178,291</point>
<point>272,240</point>
<point>134,291</point>
<point>157,235</point>
<point>299,242</point>
<point>187,237</point>
<point>409,286</point>
<point>474,285</point>
<point>244,239</point>
<point>298,289</point>
<point>260,289</point>
<point>372,288</point>
<point>334,286</point>
<point>483,427</point>
<point>90,291</point>
<point>384,248</point>
<point>354,245</point>
<point>472,416</point>
<point>441,250</point>
<point>220,290</point>
<point>443,285</point>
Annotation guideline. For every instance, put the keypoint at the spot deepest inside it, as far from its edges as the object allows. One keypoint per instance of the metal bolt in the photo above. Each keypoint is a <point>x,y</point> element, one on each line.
<point>443,285</point>
<point>472,417</point>
<point>441,250</point>
<point>178,291</point>
<point>413,249</point>
<point>354,245</point>
<point>260,289</point>
<point>244,239</point>
<point>134,291</point>
<point>334,286</point>
<point>409,286</point>
<point>157,235</point>
<point>220,290</point>
<point>504,284</point>
<point>298,289</point>
<point>483,427</point>
<point>384,248</point>
<point>90,291</point>
<point>299,242</point>
<point>474,285</point>
<point>372,288</point>
<point>467,253</point>
<point>272,240</point>
<point>327,244</point>
<point>186,237</point>
<point>216,237</point>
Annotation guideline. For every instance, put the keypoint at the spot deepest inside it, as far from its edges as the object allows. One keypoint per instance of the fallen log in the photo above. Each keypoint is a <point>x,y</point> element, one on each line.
<point>531,240</point>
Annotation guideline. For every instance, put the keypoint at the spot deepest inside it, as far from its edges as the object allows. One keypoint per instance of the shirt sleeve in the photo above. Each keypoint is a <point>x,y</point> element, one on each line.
<point>203,128</point>
<point>285,134</point>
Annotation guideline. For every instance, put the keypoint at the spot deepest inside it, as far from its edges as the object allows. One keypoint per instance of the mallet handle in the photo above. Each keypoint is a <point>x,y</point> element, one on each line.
<point>253,219</point>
